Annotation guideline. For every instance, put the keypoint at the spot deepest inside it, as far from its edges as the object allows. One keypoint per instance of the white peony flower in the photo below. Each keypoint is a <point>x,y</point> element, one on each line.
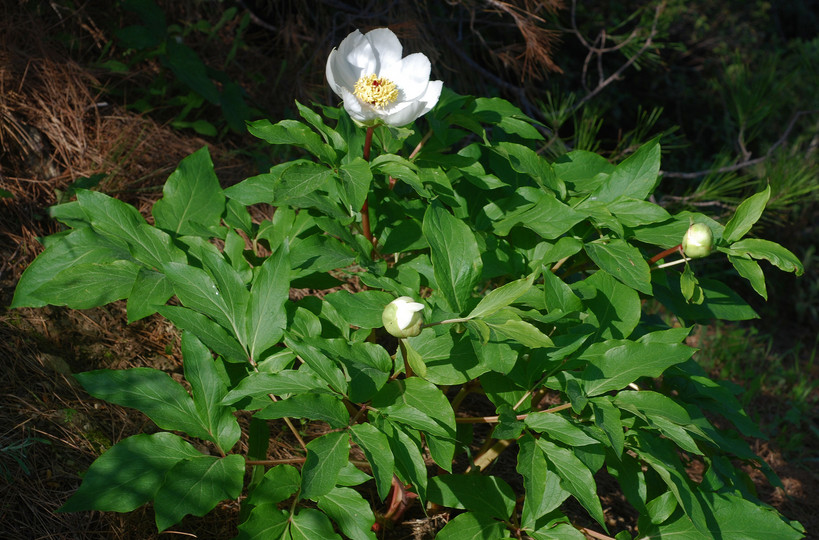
<point>402,317</point>
<point>377,84</point>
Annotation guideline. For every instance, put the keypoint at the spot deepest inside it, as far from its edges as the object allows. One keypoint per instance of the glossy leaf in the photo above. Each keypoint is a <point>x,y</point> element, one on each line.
<point>150,391</point>
<point>326,455</point>
<point>575,477</point>
<point>208,389</point>
<point>80,246</point>
<point>473,526</point>
<point>622,261</point>
<point>615,364</point>
<point>376,448</point>
<point>502,297</point>
<point>488,495</point>
<point>455,256</point>
<point>196,486</point>
<point>322,407</point>
<point>129,473</point>
<point>191,196</point>
<point>266,317</point>
<point>747,213</point>
<point>352,513</point>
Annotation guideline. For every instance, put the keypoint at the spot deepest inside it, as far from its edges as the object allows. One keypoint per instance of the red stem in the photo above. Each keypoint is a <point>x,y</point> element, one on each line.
<point>365,208</point>
<point>666,253</point>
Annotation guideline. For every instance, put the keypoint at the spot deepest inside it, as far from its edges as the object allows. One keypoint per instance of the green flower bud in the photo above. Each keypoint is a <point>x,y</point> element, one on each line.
<point>403,318</point>
<point>698,241</point>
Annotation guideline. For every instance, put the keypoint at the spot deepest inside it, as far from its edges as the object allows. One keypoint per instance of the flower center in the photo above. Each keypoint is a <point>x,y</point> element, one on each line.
<point>377,91</point>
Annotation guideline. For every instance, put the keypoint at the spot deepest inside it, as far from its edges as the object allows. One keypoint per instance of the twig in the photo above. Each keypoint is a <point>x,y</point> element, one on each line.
<point>747,162</point>
<point>616,75</point>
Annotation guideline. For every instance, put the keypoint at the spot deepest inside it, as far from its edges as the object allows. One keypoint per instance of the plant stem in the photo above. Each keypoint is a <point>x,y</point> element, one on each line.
<point>666,253</point>
<point>496,419</point>
<point>365,208</point>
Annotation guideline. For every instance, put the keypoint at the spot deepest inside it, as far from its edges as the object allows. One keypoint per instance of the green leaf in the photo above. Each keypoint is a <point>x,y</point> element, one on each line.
<point>522,332</point>
<point>690,287</point>
<point>320,363</point>
<point>328,134</point>
<point>400,168</point>
<point>362,309</point>
<point>612,307</point>
<point>661,507</point>
<point>636,212</point>
<point>322,407</point>
<point>472,526</point>
<point>661,455</point>
<point>636,177</point>
<point>110,217</point>
<point>449,358</point>
<point>415,361</point>
<point>311,524</point>
<point>559,428</point>
<point>614,364</point>
<point>266,317</point>
<point>719,301</point>
<point>129,473</point>
<point>607,418</point>
<point>750,270</point>
<point>150,291</point>
<point>191,196</point>
<point>747,213</point>
<point>260,384</point>
<point>196,486</point>
<point>582,170</point>
<point>356,178</point>
<point>543,491</point>
<point>80,246</point>
<point>197,290</point>
<point>535,209</point>
<point>624,262</point>
<point>299,179</point>
<point>88,285</point>
<point>208,389</point>
<point>502,297</point>
<point>558,295</point>
<point>189,68</point>
<point>456,259</point>
<point>418,404</point>
<point>488,495</point>
<point>409,463</point>
<point>150,391</point>
<point>352,513</point>
<point>376,448</point>
<point>231,289</point>
<point>277,485</point>
<point>575,477</point>
<point>771,252</point>
<point>265,521</point>
<point>293,132</point>
<point>526,161</point>
<point>210,333</point>
<point>326,455</point>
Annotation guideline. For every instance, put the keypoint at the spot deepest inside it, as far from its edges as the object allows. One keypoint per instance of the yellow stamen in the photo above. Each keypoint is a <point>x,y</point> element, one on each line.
<point>377,91</point>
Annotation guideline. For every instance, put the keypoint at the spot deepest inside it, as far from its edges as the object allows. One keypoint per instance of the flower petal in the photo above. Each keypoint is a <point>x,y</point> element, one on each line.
<point>386,46</point>
<point>358,111</point>
<point>410,75</point>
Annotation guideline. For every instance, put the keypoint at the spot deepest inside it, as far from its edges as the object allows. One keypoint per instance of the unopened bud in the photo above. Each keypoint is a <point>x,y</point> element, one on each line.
<point>698,241</point>
<point>403,318</point>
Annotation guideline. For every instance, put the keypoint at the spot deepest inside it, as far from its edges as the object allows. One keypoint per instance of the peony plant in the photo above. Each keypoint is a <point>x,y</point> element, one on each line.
<point>549,303</point>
